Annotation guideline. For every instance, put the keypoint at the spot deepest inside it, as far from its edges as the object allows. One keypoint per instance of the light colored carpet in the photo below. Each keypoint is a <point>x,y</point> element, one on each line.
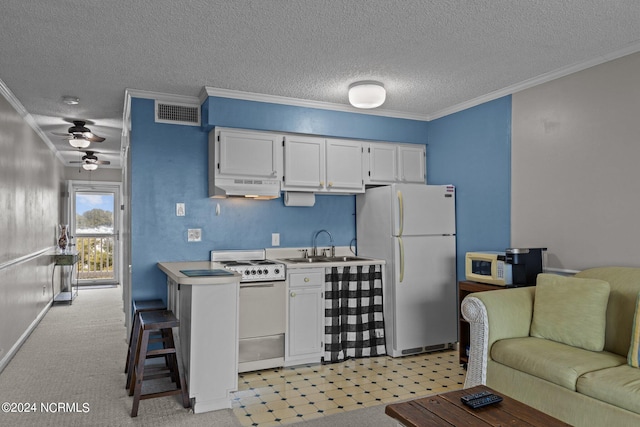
<point>72,365</point>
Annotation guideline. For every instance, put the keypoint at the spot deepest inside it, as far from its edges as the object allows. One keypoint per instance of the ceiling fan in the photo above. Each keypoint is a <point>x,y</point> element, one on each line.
<point>90,161</point>
<point>79,135</point>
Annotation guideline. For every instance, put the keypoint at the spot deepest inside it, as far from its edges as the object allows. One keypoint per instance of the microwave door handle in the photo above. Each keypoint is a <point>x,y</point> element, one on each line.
<point>401,259</point>
<point>400,212</point>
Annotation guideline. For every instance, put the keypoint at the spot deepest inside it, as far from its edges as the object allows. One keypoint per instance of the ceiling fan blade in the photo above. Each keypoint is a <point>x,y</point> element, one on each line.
<point>75,161</point>
<point>67,135</point>
<point>103,162</point>
<point>96,138</point>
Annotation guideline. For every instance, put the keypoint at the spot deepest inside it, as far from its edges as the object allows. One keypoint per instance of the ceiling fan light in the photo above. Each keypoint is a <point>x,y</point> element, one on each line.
<point>367,94</point>
<point>89,166</point>
<point>79,142</point>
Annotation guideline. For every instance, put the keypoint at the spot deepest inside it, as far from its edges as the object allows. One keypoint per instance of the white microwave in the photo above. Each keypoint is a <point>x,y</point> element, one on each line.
<point>488,267</point>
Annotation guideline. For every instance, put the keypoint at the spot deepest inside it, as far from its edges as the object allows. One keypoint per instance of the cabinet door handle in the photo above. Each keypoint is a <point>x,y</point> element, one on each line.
<point>306,279</point>
<point>321,183</point>
<point>293,294</point>
<point>330,184</point>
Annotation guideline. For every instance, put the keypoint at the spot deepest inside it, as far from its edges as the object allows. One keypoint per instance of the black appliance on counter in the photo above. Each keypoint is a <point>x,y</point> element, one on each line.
<point>526,264</point>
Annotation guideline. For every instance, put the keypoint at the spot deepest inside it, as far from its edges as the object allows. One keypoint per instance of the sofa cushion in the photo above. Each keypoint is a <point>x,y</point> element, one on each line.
<point>619,386</point>
<point>633,358</point>
<point>625,285</point>
<point>570,310</point>
<point>555,362</point>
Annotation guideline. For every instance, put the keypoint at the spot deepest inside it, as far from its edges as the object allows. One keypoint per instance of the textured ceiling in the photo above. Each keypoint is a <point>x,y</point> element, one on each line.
<point>431,55</point>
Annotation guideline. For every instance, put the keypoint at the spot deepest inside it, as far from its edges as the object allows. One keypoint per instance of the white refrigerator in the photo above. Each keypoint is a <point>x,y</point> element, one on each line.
<point>412,227</point>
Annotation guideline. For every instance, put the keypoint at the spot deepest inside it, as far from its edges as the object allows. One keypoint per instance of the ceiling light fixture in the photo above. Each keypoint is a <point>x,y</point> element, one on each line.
<point>89,166</point>
<point>71,100</point>
<point>367,94</point>
<point>78,141</point>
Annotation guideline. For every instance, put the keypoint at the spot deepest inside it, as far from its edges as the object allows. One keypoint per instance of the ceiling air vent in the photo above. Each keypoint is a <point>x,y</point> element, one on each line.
<point>177,114</point>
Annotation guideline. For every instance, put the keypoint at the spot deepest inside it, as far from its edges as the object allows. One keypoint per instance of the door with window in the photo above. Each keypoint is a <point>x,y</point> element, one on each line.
<point>95,226</point>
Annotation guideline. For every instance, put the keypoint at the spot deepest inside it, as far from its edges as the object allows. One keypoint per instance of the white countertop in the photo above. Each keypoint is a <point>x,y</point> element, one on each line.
<point>172,269</point>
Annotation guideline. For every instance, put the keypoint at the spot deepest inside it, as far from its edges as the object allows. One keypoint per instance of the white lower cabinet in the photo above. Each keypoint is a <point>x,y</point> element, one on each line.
<point>305,326</point>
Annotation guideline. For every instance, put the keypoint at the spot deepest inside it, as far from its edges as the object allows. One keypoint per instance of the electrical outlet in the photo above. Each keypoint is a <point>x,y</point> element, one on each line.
<point>180,209</point>
<point>275,239</point>
<point>194,235</point>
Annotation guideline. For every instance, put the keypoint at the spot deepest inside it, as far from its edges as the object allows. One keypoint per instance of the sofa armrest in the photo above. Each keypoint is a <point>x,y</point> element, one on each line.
<point>493,316</point>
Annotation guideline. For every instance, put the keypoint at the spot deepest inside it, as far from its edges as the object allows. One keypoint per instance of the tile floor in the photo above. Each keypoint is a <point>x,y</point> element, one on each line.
<point>274,397</point>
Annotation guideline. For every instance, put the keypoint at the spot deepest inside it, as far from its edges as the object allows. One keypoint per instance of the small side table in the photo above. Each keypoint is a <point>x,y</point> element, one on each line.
<point>465,288</point>
<point>66,292</point>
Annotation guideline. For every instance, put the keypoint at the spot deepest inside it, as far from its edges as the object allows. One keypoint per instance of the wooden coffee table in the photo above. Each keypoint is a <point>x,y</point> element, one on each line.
<point>447,410</point>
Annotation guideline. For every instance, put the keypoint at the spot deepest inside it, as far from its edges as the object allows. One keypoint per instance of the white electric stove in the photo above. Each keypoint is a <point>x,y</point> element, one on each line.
<point>263,305</point>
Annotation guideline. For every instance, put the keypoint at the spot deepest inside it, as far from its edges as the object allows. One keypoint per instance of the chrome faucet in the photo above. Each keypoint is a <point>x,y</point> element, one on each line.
<point>314,250</point>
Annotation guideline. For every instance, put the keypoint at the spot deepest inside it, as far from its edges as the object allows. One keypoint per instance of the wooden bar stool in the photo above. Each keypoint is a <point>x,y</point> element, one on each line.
<point>163,322</point>
<point>138,307</point>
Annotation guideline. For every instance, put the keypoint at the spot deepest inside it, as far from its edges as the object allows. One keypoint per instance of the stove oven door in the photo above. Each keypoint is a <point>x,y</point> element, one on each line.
<point>262,325</point>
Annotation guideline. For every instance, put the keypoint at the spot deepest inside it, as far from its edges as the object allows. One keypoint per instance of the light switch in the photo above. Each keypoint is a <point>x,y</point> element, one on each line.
<point>275,239</point>
<point>180,210</point>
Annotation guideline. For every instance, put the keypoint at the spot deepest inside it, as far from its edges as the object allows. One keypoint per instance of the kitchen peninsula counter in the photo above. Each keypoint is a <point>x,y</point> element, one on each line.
<point>207,307</point>
<point>173,270</point>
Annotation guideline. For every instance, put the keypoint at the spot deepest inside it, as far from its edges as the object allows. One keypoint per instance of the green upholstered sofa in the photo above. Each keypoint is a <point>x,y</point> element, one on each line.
<point>578,386</point>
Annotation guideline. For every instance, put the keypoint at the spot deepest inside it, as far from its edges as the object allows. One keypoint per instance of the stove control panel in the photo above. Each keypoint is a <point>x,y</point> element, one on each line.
<point>257,271</point>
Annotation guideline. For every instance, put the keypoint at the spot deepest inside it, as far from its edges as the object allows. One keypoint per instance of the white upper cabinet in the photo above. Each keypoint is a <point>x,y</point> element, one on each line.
<point>248,154</point>
<point>304,163</point>
<point>388,163</point>
<point>344,166</point>
<point>322,165</point>
<point>382,167</point>
<point>412,163</point>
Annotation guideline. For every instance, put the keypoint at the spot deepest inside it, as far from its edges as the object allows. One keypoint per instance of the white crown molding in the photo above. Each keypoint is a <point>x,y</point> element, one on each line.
<point>275,99</point>
<point>543,78</point>
<point>297,102</point>
<point>17,105</point>
<point>163,97</point>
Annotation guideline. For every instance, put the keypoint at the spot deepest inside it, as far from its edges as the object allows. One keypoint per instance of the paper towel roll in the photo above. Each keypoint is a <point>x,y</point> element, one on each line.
<point>294,198</point>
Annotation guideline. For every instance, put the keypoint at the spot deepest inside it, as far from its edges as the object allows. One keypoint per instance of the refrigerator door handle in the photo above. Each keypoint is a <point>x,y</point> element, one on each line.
<point>401,212</point>
<point>401,259</point>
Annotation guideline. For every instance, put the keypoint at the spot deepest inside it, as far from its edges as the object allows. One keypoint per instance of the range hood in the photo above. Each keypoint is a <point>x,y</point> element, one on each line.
<point>242,187</point>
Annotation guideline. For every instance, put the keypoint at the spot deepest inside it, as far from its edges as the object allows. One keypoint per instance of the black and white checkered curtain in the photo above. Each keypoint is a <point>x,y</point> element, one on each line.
<point>354,324</point>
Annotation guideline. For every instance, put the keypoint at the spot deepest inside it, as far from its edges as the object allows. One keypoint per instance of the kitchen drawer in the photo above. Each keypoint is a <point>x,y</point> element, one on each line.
<point>306,278</point>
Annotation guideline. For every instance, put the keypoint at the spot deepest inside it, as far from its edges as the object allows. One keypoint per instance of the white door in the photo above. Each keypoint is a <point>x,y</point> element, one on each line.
<point>423,209</point>
<point>304,163</point>
<point>413,164</point>
<point>95,227</point>
<point>344,165</point>
<point>425,311</point>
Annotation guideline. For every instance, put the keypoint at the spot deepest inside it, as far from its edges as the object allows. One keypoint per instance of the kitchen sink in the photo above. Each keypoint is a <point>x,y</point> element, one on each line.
<point>309,260</point>
<point>345,258</point>
<point>319,259</point>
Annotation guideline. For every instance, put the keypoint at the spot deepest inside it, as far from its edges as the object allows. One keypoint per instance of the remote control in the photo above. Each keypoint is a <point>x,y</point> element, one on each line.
<point>474,396</point>
<point>484,401</point>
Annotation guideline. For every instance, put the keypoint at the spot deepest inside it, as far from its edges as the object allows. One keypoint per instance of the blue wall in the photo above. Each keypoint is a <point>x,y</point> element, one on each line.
<point>169,165</point>
<point>471,149</point>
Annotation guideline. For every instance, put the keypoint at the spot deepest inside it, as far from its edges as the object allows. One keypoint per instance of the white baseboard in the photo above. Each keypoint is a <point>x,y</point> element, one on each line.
<point>7,357</point>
